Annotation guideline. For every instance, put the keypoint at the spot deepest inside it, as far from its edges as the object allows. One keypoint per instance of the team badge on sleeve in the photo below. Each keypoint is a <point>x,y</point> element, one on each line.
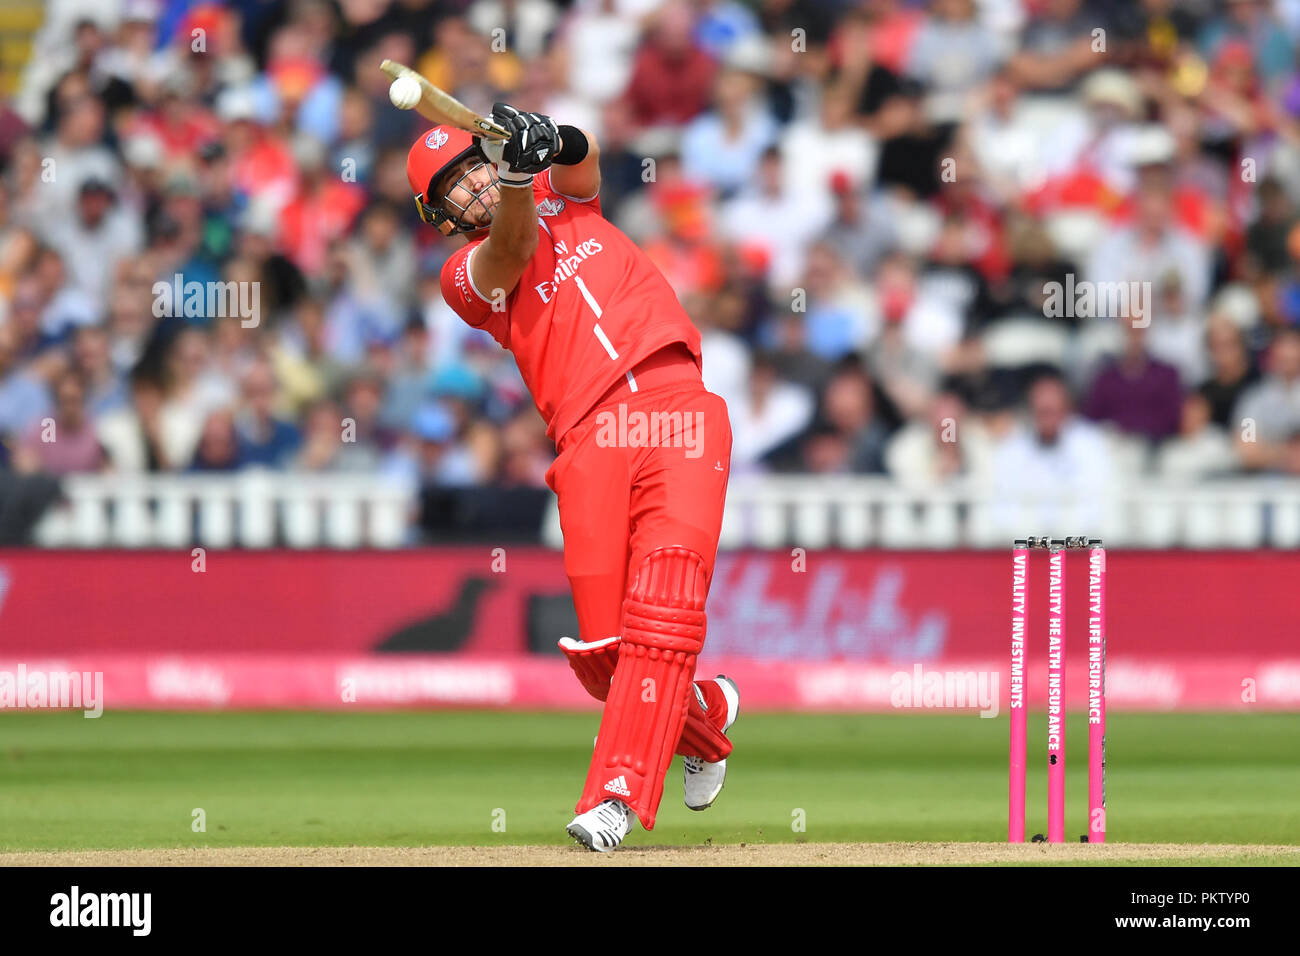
<point>550,206</point>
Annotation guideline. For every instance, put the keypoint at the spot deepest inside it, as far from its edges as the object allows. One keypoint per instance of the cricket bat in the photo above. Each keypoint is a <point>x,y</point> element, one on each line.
<point>442,108</point>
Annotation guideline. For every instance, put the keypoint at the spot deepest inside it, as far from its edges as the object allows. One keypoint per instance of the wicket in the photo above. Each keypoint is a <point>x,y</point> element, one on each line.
<point>1056,638</point>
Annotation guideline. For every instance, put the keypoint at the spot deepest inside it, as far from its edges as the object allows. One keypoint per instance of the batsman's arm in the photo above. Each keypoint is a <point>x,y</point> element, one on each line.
<point>576,169</point>
<point>501,259</point>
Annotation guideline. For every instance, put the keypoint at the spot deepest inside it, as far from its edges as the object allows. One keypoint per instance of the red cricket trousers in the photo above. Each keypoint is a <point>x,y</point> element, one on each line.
<point>645,469</point>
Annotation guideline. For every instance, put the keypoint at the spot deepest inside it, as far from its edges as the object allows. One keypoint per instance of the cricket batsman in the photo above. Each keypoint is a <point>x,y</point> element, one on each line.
<point>643,450</point>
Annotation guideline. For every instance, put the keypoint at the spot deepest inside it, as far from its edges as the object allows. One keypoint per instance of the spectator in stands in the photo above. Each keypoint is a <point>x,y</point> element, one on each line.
<point>16,242</point>
<point>795,361</point>
<point>129,58</point>
<point>28,313</point>
<point>911,147</point>
<point>65,442</point>
<point>105,386</point>
<point>951,444</point>
<point>1058,45</point>
<point>300,354</point>
<point>381,257</point>
<point>1232,371</point>
<point>192,391</point>
<point>365,441</point>
<point>526,452</point>
<point>131,322</point>
<point>264,437</point>
<point>842,315</point>
<point>94,239</point>
<point>405,372</point>
<point>723,146</point>
<point>218,445</point>
<point>672,75</point>
<point>877,32</point>
<point>848,419</point>
<point>1054,453</point>
<point>262,166</point>
<point>1270,410</point>
<point>24,397</point>
<point>725,358</point>
<point>321,212</point>
<point>1201,449</point>
<point>862,228</point>
<point>64,306</point>
<point>917,338</point>
<point>1177,334</point>
<point>723,25</point>
<point>1086,158</point>
<point>1268,236</point>
<point>828,154</point>
<point>771,413</point>
<point>1155,246</point>
<point>527,23</point>
<point>683,247</point>
<point>765,219</point>
<point>812,165</point>
<point>1035,264</point>
<point>438,454</point>
<point>600,40</point>
<point>1289,461</point>
<point>132,435</point>
<point>464,63</point>
<point>1003,139</point>
<point>952,54</point>
<point>76,151</point>
<point>1138,394</point>
<point>1254,24</point>
<point>324,433</point>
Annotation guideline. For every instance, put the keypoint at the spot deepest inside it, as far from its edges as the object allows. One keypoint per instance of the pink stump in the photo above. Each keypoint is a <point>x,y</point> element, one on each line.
<point>1016,696</point>
<point>1097,694</point>
<point>1055,695</point>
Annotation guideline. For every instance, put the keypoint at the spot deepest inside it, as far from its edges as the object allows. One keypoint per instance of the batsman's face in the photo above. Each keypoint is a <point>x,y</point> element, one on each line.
<point>471,192</point>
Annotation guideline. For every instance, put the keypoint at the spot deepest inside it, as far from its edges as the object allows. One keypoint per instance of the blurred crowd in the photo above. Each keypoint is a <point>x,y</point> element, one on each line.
<point>863,204</point>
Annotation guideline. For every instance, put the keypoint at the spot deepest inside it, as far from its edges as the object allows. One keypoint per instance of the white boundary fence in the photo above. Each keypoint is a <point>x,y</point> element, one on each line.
<point>253,509</point>
<point>860,512</point>
<point>269,509</point>
<point>876,513</point>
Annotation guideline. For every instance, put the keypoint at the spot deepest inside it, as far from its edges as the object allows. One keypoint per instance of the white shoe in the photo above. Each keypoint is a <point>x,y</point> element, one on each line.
<point>603,827</point>
<point>704,780</point>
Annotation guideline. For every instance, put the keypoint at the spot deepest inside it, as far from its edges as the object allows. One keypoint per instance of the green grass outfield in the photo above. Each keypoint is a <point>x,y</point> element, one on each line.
<point>444,778</point>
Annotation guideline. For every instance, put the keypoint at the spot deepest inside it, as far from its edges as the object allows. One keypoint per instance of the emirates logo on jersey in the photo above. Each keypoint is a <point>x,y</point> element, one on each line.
<point>566,265</point>
<point>437,139</point>
<point>550,207</point>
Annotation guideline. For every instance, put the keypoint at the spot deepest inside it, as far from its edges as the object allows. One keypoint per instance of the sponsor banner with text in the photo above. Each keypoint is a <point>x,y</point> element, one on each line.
<point>866,631</point>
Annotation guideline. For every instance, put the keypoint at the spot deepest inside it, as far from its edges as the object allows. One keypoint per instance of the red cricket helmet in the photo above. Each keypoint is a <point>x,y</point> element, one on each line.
<point>430,157</point>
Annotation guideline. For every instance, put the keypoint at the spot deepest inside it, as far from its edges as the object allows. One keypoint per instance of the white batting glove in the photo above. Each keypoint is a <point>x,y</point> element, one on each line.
<point>494,150</point>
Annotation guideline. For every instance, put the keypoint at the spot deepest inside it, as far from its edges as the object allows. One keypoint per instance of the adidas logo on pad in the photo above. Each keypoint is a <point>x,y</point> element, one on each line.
<point>619,785</point>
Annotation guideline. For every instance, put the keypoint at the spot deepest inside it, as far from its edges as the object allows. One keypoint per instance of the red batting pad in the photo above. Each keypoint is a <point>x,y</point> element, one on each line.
<point>702,736</point>
<point>663,631</point>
